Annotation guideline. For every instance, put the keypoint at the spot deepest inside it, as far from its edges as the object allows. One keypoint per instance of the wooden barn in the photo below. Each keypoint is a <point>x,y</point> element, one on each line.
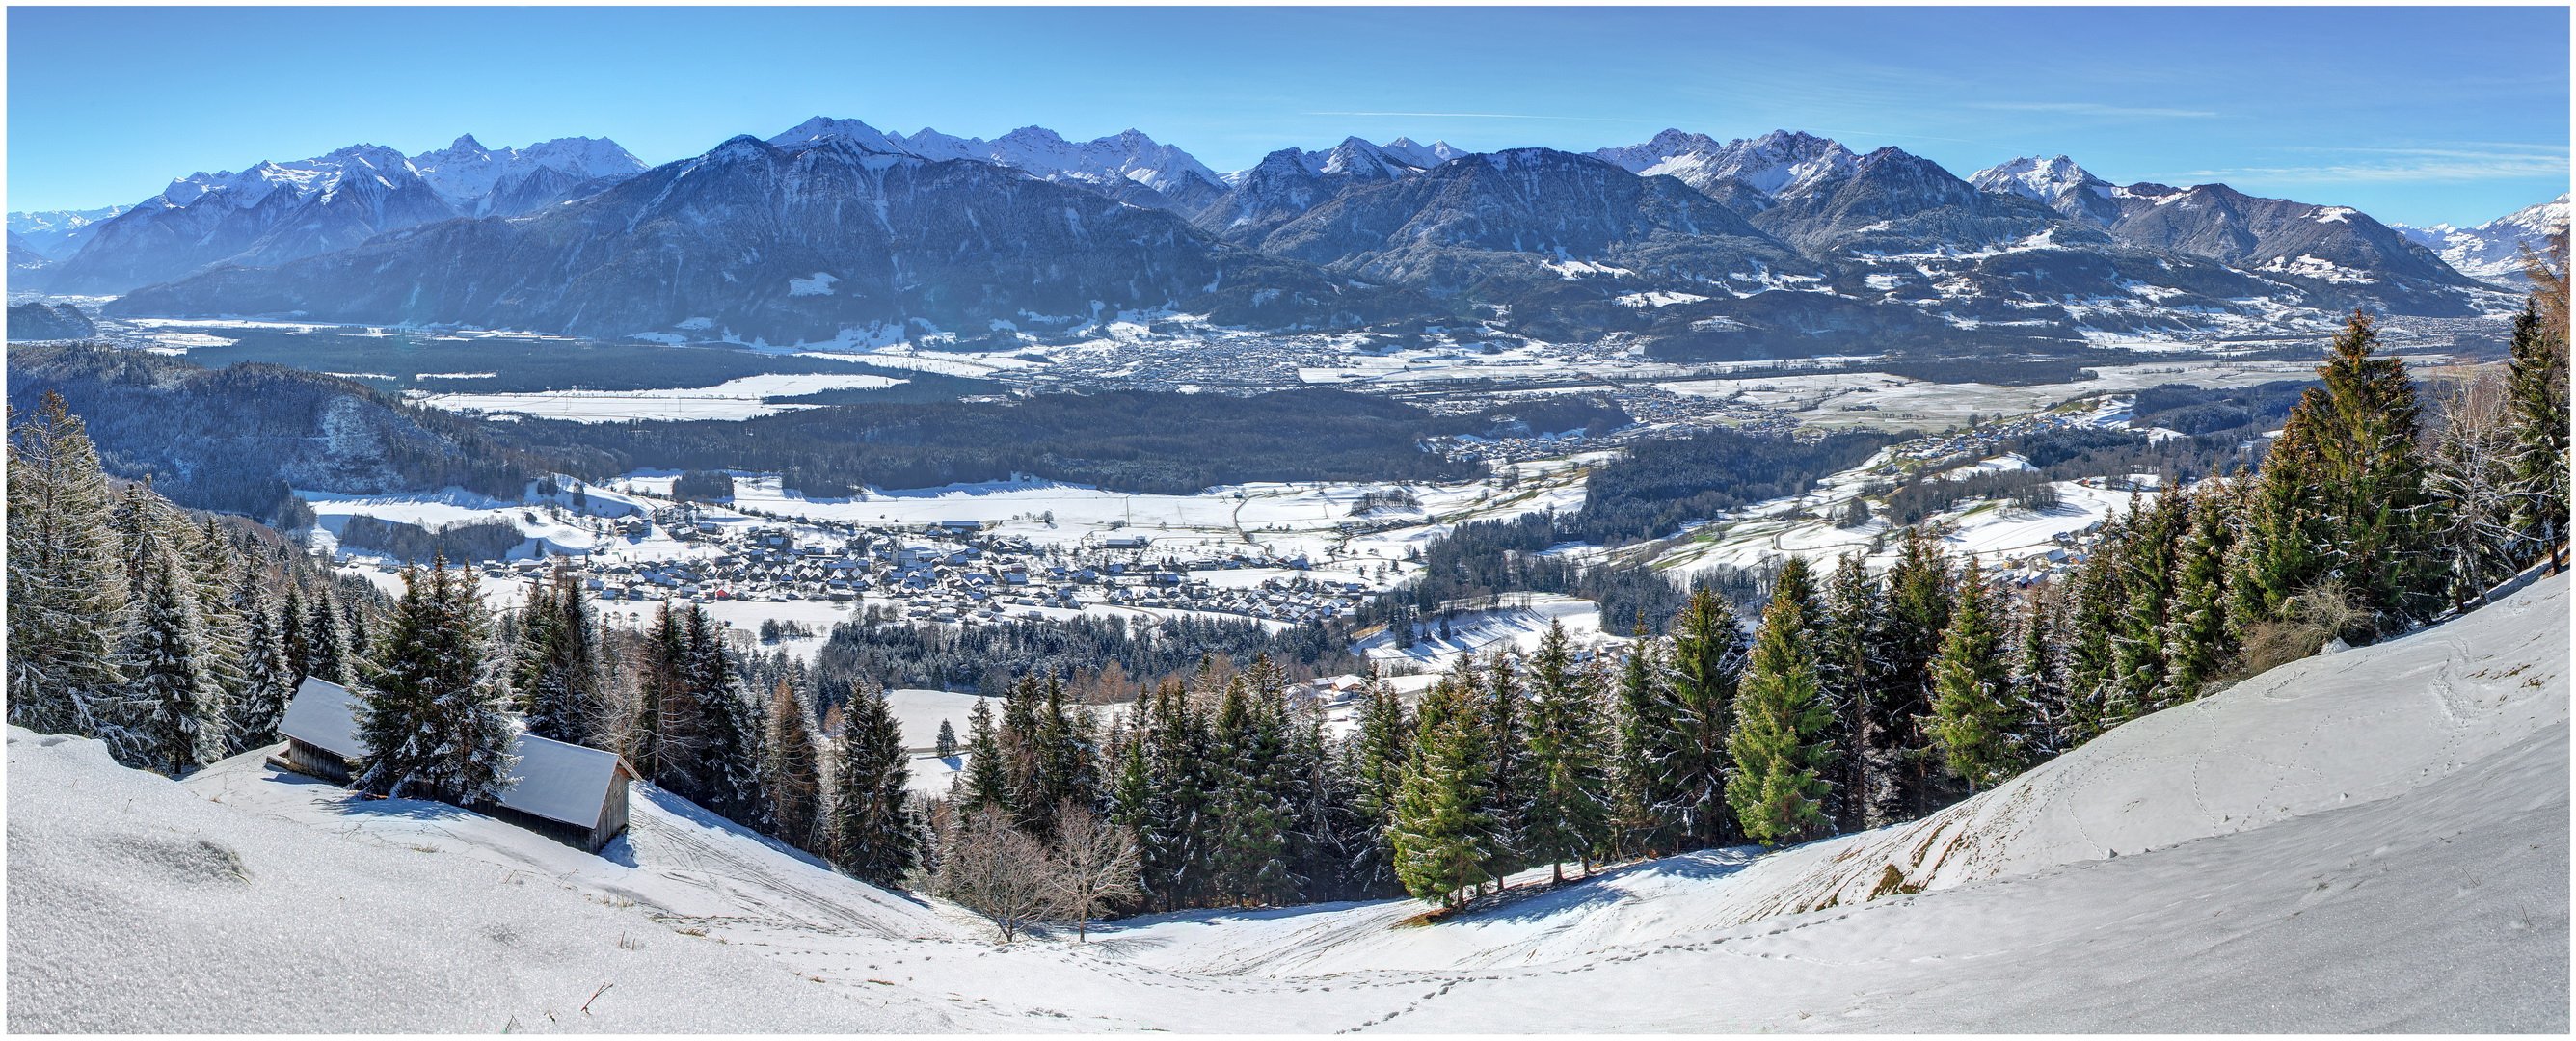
<point>572,794</point>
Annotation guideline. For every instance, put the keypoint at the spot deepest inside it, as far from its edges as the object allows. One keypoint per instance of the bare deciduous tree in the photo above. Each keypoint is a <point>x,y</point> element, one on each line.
<point>1095,865</point>
<point>996,870</point>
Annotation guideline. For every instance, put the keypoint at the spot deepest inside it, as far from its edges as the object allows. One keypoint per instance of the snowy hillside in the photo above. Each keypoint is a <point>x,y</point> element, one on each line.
<point>2370,840</point>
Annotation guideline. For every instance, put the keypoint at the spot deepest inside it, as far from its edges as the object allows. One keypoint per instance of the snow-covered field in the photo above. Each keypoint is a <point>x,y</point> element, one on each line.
<point>2372,840</point>
<point>744,398</point>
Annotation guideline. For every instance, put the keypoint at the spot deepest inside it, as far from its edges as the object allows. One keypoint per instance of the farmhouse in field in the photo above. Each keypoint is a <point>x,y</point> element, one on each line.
<point>572,794</point>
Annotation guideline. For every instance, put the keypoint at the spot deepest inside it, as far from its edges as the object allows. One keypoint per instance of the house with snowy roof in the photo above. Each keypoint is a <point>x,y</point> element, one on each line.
<point>566,792</point>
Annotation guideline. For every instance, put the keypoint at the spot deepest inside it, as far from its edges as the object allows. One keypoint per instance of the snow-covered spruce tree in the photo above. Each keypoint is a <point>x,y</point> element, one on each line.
<point>1975,717</point>
<point>1252,818</point>
<point>1780,747</point>
<point>290,629</point>
<point>176,704</point>
<point>791,768</point>
<point>214,568</point>
<point>2039,671</point>
<point>946,745</point>
<point>326,646</point>
<point>557,668</point>
<point>1708,657</point>
<point>67,590</point>
<point>1903,767</point>
<point>1507,785</point>
<point>1641,785</point>
<point>1443,843</point>
<point>2536,390</point>
<point>983,783</point>
<point>434,715</point>
<point>729,754</point>
<point>268,680</point>
<point>1568,813</point>
<point>2196,641</point>
<point>1849,668</point>
<point>1379,748</point>
<point>876,832</point>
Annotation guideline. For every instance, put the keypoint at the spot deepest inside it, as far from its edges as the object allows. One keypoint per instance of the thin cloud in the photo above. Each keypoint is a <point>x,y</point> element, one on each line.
<point>2087,108</point>
<point>1475,115</point>
<point>2442,163</point>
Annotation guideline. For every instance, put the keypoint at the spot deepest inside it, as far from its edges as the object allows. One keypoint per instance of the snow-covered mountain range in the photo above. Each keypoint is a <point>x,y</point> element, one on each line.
<point>2493,250</point>
<point>271,212</point>
<point>56,234</point>
<point>1750,247</point>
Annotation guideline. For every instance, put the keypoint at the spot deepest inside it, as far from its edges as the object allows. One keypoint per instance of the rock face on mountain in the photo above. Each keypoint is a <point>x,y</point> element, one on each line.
<point>38,321</point>
<point>272,213</point>
<point>2493,251</point>
<point>788,244</point>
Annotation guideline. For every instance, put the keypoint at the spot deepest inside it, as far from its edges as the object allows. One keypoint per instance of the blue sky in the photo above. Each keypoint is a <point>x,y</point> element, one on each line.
<point>2412,114</point>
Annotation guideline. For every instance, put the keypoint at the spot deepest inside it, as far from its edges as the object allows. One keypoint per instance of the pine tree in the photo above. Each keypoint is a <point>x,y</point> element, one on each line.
<point>1900,760</point>
<point>1975,719</point>
<point>2342,494</point>
<point>1443,844</point>
<point>557,668</point>
<point>1849,666</point>
<point>2196,641</point>
<point>1568,815</point>
<point>946,746</point>
<point>877,834</point>
<point>290,629</point>
<point>177,705</point>
<point>1708,657</point>
<point>983,783</point>
<point>1507,787</point>
<point>434,716</point>
<point>2150,556</point>
<point>791,768</point>
<point>728,754</point>
<point>1781,747</point>
<point>2536,388</point>
<point>67,594</point>
<point>2039,673</point>
<point>1377,754</point>
<point>268,682</point>
<point>326,649</point>
<point>1646,732</point>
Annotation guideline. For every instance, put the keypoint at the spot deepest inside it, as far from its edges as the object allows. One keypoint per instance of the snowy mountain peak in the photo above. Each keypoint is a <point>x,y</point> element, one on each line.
<point>2032,177</point>
<point>1782,162</point>
<point>469,175</point>
<point>823,128</point>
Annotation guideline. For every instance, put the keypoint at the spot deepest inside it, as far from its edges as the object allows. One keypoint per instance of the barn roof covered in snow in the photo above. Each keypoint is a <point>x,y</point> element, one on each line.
<point>551,779</point>
<point>324,715</point>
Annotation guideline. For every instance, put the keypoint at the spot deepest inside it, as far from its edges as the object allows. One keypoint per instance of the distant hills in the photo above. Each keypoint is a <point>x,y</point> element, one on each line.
<point>834,231</point>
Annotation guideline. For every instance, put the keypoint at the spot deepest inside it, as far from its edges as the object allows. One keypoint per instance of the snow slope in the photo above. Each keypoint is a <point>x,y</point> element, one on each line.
<point>141,905</point>
<point>2371,840</point>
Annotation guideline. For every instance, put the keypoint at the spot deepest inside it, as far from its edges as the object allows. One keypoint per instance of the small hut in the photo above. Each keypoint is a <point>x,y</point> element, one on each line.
<point>572,794</point>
